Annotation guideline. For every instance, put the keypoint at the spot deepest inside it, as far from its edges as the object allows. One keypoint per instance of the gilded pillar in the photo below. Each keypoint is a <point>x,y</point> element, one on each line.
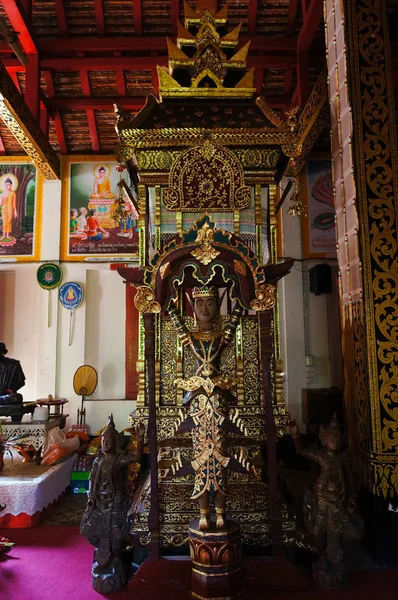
<point>141,224</point>
<point>280,414</point>
<point>365,172</point>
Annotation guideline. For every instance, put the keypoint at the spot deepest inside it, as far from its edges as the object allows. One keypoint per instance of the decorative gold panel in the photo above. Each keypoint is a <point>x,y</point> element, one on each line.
<point>207,178</point>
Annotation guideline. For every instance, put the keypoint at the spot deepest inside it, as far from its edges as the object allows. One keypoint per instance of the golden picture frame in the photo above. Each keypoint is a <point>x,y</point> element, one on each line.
<point>89,231</point>
<point>21,201</point>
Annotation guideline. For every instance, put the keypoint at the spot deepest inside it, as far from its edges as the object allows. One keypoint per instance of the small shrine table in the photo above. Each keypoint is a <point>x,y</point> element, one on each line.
<point>36,432</point>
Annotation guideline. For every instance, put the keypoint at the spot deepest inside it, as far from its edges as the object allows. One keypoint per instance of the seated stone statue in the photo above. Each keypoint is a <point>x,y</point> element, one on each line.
<point>330,511</point>
<point>106,522</point>
<point>12,378</point>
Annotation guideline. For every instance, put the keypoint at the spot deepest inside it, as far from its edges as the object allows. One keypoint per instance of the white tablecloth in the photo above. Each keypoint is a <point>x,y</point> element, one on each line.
<point>28,488</point>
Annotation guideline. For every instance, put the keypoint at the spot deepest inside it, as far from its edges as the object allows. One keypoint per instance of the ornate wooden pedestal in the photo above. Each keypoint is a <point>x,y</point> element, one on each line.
<point>216,562</point>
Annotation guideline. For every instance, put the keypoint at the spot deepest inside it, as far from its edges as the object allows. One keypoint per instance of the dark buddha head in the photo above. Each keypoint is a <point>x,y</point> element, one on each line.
<point>3,349</point>
<point>109,437</point>
<point>331,436</point>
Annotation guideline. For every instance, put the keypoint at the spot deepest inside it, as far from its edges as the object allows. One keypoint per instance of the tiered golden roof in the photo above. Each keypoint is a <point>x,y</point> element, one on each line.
<point>211,63</point>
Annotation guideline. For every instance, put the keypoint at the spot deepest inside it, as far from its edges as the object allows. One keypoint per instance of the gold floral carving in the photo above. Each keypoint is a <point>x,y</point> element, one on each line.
<point>161,161</point>
<point>168,137</point>
<point>208,177</point>
<point>312,121</point>
<point>372,325</point>
<point>378,189</point>
<point>251,365</point>
<point>206,253</point>
<point>25,128</point>
<point>144,300</point>
<point>168,363</point>
<point>265,297</point>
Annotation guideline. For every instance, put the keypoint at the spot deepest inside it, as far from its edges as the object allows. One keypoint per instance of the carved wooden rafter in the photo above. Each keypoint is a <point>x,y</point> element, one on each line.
<point>26,129</point>
<point>311,123</point>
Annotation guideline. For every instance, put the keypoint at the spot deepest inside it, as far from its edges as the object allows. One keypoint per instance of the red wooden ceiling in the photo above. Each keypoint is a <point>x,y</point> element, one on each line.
<point>84,55</point>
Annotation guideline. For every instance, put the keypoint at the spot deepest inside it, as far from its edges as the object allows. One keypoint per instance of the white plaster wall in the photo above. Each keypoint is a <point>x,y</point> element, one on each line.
<point>19,330</point>
<point>49,362</point>
<point>291,316</point>
<point>305,327</point>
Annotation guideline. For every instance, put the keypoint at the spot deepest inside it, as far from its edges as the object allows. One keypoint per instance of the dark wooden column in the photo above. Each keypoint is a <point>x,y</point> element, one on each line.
<point>153,518</point>
<point>268,369</point>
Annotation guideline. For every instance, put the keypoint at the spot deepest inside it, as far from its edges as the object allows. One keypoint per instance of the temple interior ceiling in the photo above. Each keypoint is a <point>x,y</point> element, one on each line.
<point>92,54</point>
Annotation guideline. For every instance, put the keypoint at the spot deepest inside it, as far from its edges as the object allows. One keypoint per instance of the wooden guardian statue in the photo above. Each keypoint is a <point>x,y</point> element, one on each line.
<point>208,394</point>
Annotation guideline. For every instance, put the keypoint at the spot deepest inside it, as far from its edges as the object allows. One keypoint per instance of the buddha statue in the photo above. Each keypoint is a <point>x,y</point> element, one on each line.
<point>106,521</point>
<point>330,511</point>
<point>12,378</point>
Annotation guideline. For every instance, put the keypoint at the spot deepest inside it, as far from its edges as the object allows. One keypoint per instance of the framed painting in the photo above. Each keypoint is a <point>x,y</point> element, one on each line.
<point>21,193</point>
<point>91,227</point>
<point>319,231</point>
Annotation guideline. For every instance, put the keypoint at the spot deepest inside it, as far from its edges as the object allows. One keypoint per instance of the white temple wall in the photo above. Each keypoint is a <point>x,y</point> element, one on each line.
<point>49,362</point>
<point>310,333</point>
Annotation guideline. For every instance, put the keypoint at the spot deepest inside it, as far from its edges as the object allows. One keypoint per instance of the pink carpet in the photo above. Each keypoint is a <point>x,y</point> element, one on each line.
<point>54,563</point>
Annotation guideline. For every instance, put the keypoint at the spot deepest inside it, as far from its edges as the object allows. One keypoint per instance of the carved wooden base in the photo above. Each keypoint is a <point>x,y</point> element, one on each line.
<point>110,578</point>
<point>216,562</point>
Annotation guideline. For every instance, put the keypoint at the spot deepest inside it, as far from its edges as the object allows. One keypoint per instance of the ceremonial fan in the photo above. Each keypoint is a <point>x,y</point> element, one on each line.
<point>84,383</point>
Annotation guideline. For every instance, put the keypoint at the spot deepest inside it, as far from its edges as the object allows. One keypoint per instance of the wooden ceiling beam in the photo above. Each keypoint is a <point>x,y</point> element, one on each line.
<point>137,14</point>
<point>70,46</point>
<point>291,17</point>
<point>175,16</point>
<point>44,121</point>
<point>85,84</point>
<point>109,63</point>
<point>259,80</point>
<point>14,77</point>
<point>121,84</point>
<point>27,8</point>
<point>287,88</point>
<point>59,130</point>
<point>13,73</point>
<point>304,7</point>
<point>25,128</point>
<point>61,18</point>
<point>19,23</point>
<point>155,81</point>
<point>92,124</point>
<point>252,17</point>
<point>310,26</point>
<point>131,103</point>
<point>140,63</point>
<point>32,85</point>
<point>128,102</point>
<point>312,21</point>
<point>99,17</point>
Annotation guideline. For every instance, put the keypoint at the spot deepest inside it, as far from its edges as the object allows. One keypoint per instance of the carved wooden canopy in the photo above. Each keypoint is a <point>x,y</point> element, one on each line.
<point>209,178</point>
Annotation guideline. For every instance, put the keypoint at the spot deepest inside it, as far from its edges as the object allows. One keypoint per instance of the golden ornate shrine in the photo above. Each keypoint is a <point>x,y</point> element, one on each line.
<point>206,147</point>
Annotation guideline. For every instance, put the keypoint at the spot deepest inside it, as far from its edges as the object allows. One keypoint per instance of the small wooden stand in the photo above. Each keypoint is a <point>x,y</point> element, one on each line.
<point>216,562</point>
